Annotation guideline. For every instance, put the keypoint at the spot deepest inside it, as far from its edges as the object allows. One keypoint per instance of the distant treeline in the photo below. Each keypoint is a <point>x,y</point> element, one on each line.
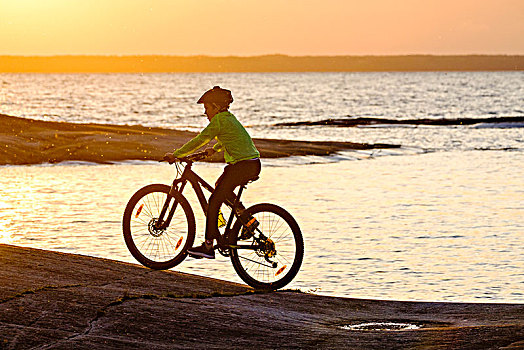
<point>268,63</point>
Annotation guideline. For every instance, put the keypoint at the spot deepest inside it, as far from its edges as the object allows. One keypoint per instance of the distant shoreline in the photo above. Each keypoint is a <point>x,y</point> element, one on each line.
<point>266,63</point>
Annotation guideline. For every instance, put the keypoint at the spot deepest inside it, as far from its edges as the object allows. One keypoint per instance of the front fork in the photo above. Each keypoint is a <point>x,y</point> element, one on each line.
<point>178,186</point>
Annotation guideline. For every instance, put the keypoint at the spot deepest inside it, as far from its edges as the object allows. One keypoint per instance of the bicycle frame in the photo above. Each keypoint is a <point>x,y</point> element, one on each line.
<point>264,241</point>
<point>197,183</point>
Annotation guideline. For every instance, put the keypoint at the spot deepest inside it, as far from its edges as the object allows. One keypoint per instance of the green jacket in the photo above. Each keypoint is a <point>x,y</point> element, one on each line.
<point>231,136</point>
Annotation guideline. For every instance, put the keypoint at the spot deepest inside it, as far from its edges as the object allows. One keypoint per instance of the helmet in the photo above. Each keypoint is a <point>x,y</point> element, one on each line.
<point>217,95</point>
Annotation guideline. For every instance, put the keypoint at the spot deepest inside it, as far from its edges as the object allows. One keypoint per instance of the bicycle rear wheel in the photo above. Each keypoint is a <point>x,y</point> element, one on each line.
<point>277,249</point>
<point>158,248</point>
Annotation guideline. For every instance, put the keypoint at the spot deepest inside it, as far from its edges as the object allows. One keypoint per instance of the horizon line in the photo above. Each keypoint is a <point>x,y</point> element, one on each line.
<point>264,63</point>
<point>260,55</point>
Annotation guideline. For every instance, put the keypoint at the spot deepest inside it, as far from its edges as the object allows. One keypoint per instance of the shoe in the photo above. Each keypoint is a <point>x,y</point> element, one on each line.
<point>202,251</point>
<point>248,229</point>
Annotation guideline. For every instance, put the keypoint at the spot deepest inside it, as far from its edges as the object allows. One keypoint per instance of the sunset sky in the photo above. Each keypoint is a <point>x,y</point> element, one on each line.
<point>249,27</point>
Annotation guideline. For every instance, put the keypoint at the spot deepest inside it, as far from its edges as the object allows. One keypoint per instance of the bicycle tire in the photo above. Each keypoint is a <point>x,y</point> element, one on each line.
<point>158,249</point>
<point>281,228</point>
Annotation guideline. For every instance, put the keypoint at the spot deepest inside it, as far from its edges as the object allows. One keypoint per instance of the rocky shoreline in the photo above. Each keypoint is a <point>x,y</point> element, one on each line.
<point>51,300</point>
<point>29,141</point>
<point>368,121</point>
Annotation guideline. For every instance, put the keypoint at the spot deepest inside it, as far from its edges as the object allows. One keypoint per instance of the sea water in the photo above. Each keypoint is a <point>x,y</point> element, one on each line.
<point>441,218</point>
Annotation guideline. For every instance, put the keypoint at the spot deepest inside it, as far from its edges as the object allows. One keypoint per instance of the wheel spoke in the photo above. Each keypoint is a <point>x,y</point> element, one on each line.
<point>153,247</point>
<point>280,234</point>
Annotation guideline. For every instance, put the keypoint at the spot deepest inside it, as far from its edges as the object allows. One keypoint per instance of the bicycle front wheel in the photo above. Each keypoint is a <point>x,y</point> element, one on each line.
<point>151,244</point>
<point>273,256</point>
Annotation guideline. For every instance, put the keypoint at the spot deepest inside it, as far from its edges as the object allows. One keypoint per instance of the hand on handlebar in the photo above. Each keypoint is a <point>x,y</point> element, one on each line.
<point>170,158</point>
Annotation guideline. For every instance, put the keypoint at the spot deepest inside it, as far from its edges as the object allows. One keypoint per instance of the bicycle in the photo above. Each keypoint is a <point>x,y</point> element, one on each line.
<point>159,226</point>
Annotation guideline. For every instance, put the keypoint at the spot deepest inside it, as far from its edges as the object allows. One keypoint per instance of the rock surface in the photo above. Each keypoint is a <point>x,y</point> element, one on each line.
<point>29,141</point>
<point>51,300</point>
<point>367,121</point>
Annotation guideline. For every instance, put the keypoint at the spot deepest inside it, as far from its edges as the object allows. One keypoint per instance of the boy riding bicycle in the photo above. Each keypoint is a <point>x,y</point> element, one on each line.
<point>239,152</point>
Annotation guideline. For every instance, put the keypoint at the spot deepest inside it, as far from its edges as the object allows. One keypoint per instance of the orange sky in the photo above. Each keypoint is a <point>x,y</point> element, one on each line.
<point>249,27</point>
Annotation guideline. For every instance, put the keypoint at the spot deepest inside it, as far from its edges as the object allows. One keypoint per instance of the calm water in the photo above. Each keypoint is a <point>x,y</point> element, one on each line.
<point>442,218</point>
<point>420,227</point>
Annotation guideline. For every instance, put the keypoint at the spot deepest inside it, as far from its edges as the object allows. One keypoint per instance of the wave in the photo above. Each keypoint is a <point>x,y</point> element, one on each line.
<point>491,122</point>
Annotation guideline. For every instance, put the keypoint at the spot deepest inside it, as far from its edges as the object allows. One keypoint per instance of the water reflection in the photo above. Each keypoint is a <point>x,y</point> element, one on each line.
<point>441,226</point>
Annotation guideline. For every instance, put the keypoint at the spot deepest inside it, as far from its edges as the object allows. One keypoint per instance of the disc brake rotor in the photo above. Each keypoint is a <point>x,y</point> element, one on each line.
<point>153,230</point>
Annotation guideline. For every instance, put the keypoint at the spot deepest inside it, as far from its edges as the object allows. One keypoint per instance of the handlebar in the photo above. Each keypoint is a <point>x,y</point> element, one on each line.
<point>195,157</point>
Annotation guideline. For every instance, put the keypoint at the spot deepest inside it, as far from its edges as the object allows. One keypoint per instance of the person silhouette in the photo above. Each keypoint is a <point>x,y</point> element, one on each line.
<point>240,154</point>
